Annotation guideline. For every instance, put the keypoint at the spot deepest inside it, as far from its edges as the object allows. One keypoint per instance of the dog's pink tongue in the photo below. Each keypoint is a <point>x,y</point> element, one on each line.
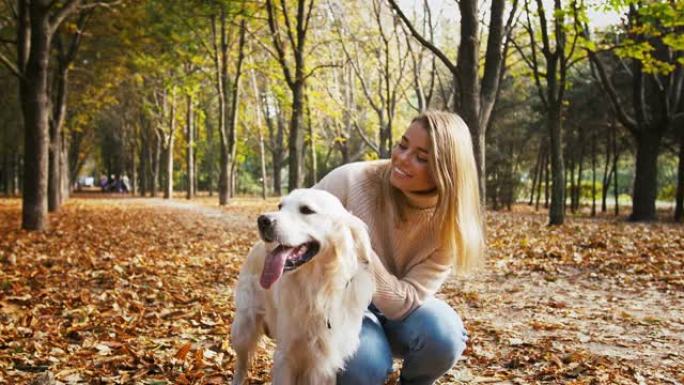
<point>273,266</point>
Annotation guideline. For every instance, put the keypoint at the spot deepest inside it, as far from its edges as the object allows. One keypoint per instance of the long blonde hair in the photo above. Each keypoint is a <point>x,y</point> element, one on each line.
<point>457,216</point>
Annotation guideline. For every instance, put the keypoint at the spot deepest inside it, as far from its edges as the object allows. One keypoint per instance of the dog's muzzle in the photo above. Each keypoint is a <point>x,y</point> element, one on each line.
<point>266,228</point>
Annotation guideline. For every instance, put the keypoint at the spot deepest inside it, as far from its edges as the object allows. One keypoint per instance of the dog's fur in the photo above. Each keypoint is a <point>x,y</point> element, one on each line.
<point>315,311</point>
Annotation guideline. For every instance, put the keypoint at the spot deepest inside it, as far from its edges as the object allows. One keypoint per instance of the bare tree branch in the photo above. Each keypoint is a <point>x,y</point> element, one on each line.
<point>363,136</point>
<point>625,119</point>
<point>11,66</point>
<point>280,50</point>
<point>320,66</point>
<point>288,25</point>
<point>448,63</point>
<point>61,14</point>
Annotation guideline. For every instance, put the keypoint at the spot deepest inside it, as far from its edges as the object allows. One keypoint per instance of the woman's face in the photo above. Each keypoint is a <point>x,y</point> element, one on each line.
<point>410,157</point>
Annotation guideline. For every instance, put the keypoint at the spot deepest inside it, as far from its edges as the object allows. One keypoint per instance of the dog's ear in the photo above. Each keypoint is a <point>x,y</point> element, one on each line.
<point>362,244</point>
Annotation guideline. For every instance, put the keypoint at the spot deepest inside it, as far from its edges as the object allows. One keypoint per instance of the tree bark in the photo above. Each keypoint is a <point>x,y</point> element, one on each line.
<point>66,185</point>
<point>616,157</point>
<point>556,215</point>
<point>679,200</point>
<point>260,134</point>
<point>189,154</point>
<point>168,148</point>
<point>535,175</point>
<point>55,147</point>
<point>646,176</point>
<point>144,165</point>
<point>156,159</point>
<point>295,77</point>
<point>607,170</point>
<point>312,144</point>
<point>593,174</point>
<point>34,101</point>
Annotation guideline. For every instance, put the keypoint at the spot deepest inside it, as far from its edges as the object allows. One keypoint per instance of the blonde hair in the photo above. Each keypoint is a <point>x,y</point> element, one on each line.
<point>457,216</point>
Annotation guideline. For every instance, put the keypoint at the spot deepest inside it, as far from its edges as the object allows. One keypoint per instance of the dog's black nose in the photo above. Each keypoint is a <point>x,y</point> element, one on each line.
<point>264,222</point>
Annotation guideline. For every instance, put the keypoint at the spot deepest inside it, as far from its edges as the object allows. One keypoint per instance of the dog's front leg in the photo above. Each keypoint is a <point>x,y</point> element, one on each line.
<point>282,373</point>
<point>246,331</point>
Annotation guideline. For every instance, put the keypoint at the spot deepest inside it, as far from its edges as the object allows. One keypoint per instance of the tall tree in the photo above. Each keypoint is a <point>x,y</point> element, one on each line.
<point>476,95</point>
<point>294,41</point>
<point>550,71</point>
<point>190,147</point>
<point>37,22</point>
<point>652,46</point>
<point>228,89</point>
<point>66,48</point>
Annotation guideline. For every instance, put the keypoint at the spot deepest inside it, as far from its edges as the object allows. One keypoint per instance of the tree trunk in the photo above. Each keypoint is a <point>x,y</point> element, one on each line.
<point>679,205</point>
<point>556,215</point>
<point>133,180</point>
<point>260,134</point>
<point>34,103</point>
<point>189,154</point>
<point>168,151</point>
<point>593,174</point>
<point>535,175</point>
<point>4,174</point>
<point>646,176</point>
<point>607,170</point>
<point>144,165</point>
<point>156,158</point>
<point>616,157</point>
<point>295,138</point>
<point>55,148</point>
<point>467,77</point>
<point>54,179</point>
<point>312,141</point>
<point>570,190</point>
<point>580,170</point>
<point>18,180</point>
<point>65,178</point>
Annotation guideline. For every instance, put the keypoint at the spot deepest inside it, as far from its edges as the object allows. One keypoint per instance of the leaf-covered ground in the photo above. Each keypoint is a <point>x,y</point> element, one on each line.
<point>138,291</point>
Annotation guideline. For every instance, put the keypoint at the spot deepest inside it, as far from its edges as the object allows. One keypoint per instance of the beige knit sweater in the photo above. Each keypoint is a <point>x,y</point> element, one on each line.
<point>409,264</point>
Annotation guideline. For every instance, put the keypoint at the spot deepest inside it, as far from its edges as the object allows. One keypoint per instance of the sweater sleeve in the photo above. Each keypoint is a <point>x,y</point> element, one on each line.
<point>336,182</point>
<point>397,298</point>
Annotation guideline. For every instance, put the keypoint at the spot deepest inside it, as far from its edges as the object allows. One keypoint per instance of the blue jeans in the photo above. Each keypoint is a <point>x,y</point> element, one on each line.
<point>429,340</point>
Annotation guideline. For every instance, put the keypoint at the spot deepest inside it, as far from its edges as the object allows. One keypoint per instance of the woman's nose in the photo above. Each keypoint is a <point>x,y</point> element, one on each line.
<point>403,157</point>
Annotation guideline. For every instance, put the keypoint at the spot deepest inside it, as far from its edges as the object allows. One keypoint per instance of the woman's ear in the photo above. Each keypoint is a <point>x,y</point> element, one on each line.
<point>362,245</point>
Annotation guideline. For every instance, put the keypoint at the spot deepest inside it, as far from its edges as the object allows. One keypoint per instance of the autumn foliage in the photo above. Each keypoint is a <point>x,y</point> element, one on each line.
<point>140,291</point>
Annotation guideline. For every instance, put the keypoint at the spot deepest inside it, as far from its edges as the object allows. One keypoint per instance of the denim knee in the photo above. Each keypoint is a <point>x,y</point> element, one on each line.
<point>442,349</point>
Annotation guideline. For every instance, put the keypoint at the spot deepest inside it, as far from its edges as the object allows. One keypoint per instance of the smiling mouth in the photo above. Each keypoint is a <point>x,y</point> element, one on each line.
<point>286,258</point>
<point>401,172</point>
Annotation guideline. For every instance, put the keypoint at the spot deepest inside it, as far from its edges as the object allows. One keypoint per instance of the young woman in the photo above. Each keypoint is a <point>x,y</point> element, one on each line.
<point>422,209</point>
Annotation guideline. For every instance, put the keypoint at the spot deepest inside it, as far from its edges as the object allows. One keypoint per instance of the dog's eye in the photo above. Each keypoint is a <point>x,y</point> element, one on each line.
<point>280,206</point>
<point>306,210</point>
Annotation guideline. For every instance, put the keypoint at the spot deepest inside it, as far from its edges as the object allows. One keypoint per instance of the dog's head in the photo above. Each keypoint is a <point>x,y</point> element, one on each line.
<point>310,222</point>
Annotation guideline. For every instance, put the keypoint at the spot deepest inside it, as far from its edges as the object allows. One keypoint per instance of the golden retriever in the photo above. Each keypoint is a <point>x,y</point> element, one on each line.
<point>306,285</point>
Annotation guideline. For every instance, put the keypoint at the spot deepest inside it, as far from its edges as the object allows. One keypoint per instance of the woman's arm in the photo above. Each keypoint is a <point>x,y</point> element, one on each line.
<point>396,298</point>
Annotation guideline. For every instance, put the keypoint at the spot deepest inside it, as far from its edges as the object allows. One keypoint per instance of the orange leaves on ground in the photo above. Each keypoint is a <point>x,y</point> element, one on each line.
<point>140,291</point>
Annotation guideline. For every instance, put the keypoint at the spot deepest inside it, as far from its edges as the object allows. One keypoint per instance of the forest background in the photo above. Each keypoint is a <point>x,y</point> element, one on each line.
<point>242,97</point>
<point>206,112</point>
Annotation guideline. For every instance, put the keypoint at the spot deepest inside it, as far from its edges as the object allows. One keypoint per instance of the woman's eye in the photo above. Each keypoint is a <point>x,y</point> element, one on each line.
<point>306,210</point>
<point>422,160</point>
<point>402,146</point>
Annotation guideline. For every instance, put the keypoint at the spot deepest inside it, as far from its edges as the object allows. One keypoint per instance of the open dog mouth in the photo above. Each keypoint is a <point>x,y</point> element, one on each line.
<point>286,258</point>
